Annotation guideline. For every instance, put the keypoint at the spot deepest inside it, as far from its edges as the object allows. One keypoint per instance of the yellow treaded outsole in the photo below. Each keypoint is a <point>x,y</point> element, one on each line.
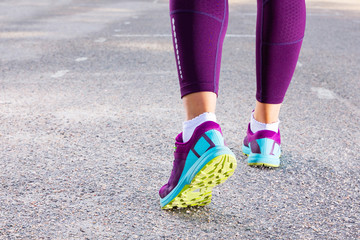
<point>199,191</point>
<point>263,165</point>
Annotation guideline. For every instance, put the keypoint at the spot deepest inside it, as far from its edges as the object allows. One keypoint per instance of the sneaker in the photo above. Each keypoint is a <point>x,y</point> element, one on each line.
<point>262,147</point>
<point>200,164</point>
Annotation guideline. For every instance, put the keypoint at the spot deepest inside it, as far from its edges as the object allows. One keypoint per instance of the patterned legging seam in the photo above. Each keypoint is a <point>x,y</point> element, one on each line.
<point>283,43</point>
<point>198,12</point>
<point>218,43</point>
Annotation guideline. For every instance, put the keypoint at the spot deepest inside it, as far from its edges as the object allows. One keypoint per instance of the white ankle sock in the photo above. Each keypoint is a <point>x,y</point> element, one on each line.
<point>256,126</point>
<point>189,126</point>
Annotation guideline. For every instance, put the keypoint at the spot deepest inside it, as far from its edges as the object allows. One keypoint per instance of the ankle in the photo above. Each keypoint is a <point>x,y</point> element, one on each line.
<point>190,125</point>
<point>267,113</point>
<point>256,126</point>
<point>198,103</point>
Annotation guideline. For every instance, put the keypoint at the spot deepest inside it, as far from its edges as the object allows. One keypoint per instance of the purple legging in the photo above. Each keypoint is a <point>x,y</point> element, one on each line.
<point>199,28</point>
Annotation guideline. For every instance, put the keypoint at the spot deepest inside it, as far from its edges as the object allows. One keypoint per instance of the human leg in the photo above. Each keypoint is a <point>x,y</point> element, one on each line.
<point>279,35</point>
<point>267,112</point>
<point>198,29</point>
<point>198,103</point>
<point>199,108</point>
<point>202,160</point>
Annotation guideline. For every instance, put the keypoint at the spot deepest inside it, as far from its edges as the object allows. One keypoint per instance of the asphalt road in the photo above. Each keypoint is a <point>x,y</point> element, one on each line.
<point>90,106</point>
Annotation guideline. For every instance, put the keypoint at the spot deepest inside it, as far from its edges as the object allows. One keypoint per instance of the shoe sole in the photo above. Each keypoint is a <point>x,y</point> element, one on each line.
<point>199,191</point>
<point>260,160</point>
<point>263,163</point>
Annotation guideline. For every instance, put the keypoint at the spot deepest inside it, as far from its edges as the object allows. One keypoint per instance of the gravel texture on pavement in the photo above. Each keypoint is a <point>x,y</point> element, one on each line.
<point>90,107</point>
